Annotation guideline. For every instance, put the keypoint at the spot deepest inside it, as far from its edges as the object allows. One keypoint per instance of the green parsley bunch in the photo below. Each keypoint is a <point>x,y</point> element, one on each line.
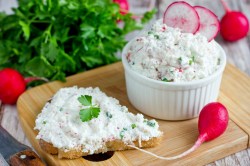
<point>56,38</point>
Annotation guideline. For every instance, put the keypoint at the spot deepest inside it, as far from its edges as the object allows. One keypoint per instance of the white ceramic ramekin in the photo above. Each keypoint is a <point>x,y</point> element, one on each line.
<point>170,100</point>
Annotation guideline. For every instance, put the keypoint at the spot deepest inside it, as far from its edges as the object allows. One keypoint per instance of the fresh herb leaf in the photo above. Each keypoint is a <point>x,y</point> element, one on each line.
<point>148,15</point>
<point>151,124</point>
<point>150,32</point>
<point>157,36</point>
<point>85,100</point>
<point>191,60</point>
<point>89,113</point>
<point>133,126</point>
<point>180,60</point>
<point>122,133</point>
<point>26,29</point>
<point>109,115</point>
<point>218,61</point>
<point>166,80</point>
<point>44,122</point>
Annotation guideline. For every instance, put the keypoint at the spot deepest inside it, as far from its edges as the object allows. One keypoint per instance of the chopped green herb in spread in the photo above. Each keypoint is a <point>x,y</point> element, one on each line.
<point>218,62</point>
<point>191,61</point>
<point>180,60</point>
<point>193,58</point>
<point>157,36</point>
<point>109,115</point>
<point>166,80</point>
<point>122,132</point>
<point>133,126</point>
<point>151,124</point>
<point>89,113</point>
<point>44,122</point>
<point>150,32</point>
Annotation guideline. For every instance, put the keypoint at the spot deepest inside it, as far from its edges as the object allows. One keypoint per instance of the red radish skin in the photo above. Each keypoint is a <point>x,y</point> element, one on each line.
<point>234,24</point>
<point>183,16</point>
<point>124,6</point>
<point>209,23</point>
<point>12,85</point>
<point>212,122</point>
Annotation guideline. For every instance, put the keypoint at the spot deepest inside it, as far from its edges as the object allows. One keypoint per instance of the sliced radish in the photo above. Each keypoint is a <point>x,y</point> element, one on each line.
<point>209,23</point>
<point>183,16</point>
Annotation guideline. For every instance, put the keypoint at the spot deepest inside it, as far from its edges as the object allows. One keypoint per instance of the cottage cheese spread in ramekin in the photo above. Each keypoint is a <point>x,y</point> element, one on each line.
<point>167,54</point>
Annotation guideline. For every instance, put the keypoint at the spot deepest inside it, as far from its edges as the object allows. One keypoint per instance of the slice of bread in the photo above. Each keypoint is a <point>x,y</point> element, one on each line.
<point>63,130</point>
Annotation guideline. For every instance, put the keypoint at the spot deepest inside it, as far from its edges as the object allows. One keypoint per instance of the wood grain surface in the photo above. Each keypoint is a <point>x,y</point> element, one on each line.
<point>238,54</point>
<point>178,136</point>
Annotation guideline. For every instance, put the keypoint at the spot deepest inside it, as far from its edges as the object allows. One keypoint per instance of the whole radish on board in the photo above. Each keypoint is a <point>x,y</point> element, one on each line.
<point>234,24</point>
<point>124,6</point>
<point>13,84</point>
<point>212,122</point>
<point>192,19</point>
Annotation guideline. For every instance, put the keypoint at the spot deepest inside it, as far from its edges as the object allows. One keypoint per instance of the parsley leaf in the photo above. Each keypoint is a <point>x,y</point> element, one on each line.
<point>89,113</point>
<point>85,100</point>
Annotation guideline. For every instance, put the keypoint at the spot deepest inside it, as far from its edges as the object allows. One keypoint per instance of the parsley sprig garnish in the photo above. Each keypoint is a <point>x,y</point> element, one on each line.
<point>89,113</point>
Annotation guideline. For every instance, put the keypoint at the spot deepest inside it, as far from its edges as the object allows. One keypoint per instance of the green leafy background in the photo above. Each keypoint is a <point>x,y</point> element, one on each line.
<point>56,38</point>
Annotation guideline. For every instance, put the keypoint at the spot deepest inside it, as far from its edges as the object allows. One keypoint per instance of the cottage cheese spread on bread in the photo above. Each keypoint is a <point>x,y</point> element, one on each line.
<point>166,54</point>
<point>59,123</point>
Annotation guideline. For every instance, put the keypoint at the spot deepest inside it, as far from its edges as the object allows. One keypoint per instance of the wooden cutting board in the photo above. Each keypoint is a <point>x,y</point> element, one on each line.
<point>178,135</point>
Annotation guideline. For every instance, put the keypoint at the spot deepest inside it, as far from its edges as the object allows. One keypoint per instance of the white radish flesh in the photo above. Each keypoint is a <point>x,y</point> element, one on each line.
<point>209,23</point>
<point>183,16</point>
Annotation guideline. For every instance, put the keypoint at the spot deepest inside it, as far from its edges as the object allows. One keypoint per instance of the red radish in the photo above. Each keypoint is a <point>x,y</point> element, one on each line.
<point>234,24</point>
<point>124,6</point>
<point>12,85</point>
<point>213,121</point>
<point>209,23</point>
<point>183,16</point>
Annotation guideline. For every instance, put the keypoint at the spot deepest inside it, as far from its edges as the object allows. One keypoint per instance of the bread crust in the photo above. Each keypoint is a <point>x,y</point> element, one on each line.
<point>115,145</point>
